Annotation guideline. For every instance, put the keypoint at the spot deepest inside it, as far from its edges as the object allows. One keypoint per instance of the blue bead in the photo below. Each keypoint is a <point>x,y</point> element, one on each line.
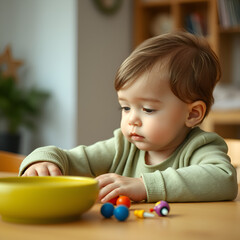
<point>121,213</point>
<point>107,210</point>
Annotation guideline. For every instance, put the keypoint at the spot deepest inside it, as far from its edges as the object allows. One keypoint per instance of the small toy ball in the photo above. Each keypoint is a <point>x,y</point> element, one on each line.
<point>113,200</point>
<point>162,208</point>
<point>123,200</point>
<point>107,210</point>
<point>121,213</point>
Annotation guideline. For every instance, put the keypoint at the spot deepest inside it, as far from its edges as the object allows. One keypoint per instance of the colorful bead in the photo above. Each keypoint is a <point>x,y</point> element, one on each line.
<point>121,213</point>
<point>123,200</point>
<point>107,210</point>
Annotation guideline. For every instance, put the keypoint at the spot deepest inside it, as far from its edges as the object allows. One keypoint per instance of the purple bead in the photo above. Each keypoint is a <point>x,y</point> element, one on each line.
<point>162,209</point>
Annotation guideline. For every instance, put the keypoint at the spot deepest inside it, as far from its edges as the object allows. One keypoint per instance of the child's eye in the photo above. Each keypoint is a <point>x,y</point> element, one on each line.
<point>125,109</point>
<point>148,110</point>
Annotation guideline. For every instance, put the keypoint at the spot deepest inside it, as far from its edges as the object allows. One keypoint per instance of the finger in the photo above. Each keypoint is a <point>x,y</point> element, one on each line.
<point>109,191</point>
<point>30,172</point>
<point>114,193</point>
<point>105,179</point>
<point>103,175</point>
<point>42,171</point>
<point>104,182</point>
<point>106,190</point>
<point>54,170</point>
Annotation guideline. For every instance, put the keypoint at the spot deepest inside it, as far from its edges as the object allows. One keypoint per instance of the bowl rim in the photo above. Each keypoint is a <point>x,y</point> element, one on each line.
<point>47,181</point>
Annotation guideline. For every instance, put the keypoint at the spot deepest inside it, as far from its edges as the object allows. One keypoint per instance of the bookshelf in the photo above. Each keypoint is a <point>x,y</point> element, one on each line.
<point>203,17</point>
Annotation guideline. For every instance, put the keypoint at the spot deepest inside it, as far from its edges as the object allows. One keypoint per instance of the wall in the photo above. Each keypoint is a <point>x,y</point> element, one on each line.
<point>104,42</point>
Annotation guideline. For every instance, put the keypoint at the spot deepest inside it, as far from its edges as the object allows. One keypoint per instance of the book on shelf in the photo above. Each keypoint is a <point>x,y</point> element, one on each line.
<point>194,23</point>
<point>229,13</point>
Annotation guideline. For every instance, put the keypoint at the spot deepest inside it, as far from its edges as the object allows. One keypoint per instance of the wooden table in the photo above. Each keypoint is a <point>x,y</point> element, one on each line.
<point>211,220</point>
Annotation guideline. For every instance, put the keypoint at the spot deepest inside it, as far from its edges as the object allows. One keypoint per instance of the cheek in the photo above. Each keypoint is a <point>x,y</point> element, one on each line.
<point>176,114</point>
<point>123,125</point>
<point>165,126</point>
<point>157,130</point>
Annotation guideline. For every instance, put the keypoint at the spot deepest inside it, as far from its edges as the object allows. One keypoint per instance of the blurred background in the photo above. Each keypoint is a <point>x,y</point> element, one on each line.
<point>73,48</point>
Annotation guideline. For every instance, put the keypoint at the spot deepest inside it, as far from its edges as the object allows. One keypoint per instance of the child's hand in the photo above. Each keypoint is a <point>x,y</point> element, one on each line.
<point>112,185</point>
<point>42,169</point>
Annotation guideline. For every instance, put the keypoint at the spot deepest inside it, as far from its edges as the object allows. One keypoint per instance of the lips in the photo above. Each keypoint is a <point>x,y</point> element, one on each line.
<point>136,137</point>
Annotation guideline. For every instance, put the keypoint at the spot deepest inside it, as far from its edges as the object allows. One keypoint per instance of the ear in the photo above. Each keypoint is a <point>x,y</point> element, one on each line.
<point>196,113</point>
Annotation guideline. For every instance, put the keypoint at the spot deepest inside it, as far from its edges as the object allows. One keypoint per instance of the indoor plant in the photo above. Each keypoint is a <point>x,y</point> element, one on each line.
<point>18,107</point>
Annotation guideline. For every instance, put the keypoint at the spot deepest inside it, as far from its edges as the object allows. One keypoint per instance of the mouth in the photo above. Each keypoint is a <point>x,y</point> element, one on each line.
<point>136,137</point>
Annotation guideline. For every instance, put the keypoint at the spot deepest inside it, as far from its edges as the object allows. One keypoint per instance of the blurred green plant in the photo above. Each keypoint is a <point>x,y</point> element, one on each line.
<point>19,107</point>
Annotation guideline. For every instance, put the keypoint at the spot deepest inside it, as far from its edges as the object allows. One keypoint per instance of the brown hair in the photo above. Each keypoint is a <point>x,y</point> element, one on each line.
<point>193,67</point>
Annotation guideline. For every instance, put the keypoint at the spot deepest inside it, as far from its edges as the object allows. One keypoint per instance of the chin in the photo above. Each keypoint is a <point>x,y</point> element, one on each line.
<point>142,146</point>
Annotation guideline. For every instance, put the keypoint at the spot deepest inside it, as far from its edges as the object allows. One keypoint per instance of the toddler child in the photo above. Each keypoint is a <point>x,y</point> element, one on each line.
<point>165,91</point>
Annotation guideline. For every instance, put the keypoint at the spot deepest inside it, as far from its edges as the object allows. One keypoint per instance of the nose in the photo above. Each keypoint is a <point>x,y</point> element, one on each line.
<point>134,120</point>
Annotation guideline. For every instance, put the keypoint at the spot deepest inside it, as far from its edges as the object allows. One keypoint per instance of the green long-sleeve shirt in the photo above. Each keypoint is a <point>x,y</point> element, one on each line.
<point>198,170</point>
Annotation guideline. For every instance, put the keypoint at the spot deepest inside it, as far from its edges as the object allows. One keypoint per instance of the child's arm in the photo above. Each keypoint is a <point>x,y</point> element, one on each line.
<point>81,161</point>
<point>201,171</point>
<point>99,158</point>
<point>45,161</point>
<point>112,185</point>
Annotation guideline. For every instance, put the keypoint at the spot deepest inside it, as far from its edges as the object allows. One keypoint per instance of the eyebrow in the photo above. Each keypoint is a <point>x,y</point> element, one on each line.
<point>142,99</point>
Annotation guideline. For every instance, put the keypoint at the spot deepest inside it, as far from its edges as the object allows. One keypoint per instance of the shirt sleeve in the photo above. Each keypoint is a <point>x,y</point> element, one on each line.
<point>83,160</point>
<point>203,173</point>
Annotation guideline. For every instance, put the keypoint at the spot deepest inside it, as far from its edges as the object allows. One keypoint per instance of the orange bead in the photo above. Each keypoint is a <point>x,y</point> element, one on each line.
<point>123,200</point>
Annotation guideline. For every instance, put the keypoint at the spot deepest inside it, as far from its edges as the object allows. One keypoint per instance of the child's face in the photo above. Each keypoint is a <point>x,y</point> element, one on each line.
<point>153,118</point>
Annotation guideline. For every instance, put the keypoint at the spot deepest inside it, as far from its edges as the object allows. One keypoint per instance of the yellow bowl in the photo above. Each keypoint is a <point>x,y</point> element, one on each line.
<point>46,199</point>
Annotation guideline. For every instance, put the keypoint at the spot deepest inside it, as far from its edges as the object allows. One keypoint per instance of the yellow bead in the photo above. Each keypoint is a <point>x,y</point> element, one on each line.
<point>139,213</point>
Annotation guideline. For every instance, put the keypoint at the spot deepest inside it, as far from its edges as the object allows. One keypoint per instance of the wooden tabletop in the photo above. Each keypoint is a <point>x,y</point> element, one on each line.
<point>211,220</point>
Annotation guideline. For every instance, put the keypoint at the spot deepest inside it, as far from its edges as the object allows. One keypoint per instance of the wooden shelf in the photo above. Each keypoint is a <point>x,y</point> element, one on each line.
<point>146,13</point>
<point>226,123</point>
<point>229,30</point>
